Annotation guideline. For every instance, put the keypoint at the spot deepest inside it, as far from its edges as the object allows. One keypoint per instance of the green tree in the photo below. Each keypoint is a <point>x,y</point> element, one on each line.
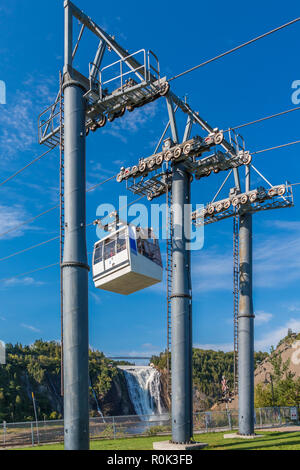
<point>283,389</point>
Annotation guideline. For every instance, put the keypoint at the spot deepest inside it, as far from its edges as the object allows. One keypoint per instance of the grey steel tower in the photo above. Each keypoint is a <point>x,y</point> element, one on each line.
<point>75,264</point>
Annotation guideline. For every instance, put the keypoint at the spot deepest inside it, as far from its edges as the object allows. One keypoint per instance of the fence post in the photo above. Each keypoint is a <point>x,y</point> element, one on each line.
<point>260,417</point>
<point>149,425</point>
<point>279,416</point>
<point>229,419</point>
<point>4,432</point>
<point>114,427</point>
<point>37,432</point>
<point>32,435</point>
<point>197,419</point>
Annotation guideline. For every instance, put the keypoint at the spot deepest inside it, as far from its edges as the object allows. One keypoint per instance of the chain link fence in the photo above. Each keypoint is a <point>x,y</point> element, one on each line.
<point>116,427</point>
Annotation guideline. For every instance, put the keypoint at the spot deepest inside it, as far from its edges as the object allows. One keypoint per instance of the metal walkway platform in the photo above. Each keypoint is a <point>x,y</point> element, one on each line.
<point>127,84</point>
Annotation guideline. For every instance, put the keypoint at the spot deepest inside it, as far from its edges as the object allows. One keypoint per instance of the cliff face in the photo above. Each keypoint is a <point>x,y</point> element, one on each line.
<point>53,385</point>
<point>200,401</point>
<point>36,369</point>
<point>289,352</point>
<point>117,401</point>
<point>164,389</point>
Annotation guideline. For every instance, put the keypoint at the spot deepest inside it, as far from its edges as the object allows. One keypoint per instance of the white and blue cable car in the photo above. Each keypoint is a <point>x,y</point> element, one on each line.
<point>127,260</point>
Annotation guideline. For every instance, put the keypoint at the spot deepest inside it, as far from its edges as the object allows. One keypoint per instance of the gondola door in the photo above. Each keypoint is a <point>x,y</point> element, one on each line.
<point>110,253</point>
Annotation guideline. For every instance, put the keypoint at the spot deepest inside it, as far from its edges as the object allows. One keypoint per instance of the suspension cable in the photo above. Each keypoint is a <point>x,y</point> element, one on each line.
<point>112,177</point>
<point>123,207</point>
<point>29,249</point>
<point>29,272</point>
<point>133,202</point>
<point>89,225</point>
<point>16,227</point>
<point>28,221</point>
<point>262,119</point>
<point>223,54</point>
<point>99,184</point>
<point>25,167</point>
<point>43,268</point>
<point>276,147</point>
<point>57,238</point>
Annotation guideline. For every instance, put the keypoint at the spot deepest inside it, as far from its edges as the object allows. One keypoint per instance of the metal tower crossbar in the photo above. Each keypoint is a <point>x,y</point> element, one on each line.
<point>148,176</point>
<point>258,200</point>
<point>107,95</point>
<point>204,125</point>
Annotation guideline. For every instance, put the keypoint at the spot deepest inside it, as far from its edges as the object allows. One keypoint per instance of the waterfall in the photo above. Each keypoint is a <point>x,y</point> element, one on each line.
<point>144,389</point>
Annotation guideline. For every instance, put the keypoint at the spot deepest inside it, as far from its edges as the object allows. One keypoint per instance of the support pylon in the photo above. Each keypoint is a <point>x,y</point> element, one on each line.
<point>75,264</point>
<point>169,283</point>
<point>181,311</point>
<point>236,271</point>
<point>246,324</point>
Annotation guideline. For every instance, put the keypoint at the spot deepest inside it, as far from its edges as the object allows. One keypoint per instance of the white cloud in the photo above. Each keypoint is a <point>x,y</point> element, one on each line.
<point>294,308</point>
<point>97,298</point>
<point>212,271</point>
<point>262,317</point>
<point>272,338</point>
<point>98,175</point>
<point>145,352</point>
<point>293,225</point>
<point>277,260</point>
<point>226,347</point>
<point>276,263</point>
<point>117,134</point>
<point>102,170</point>
<point>149,346</point>
<point>18,118</point>
<point>18,130</point>
<point>131,122</point>
<point>10,217</point>
<point>22,281</point>
<point>264,343</point>
<point>30,327</point>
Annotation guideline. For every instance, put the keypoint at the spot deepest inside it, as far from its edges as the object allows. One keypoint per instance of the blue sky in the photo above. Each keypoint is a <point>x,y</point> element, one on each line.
<point>239,88</point>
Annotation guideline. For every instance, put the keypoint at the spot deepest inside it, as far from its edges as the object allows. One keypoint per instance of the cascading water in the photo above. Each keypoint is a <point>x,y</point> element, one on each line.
<point>144,390</point>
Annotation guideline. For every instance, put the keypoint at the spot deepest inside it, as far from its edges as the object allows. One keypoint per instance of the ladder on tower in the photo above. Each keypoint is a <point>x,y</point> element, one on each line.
<point>236,274</point>
<point>169,281</point>
<point>62,219</point>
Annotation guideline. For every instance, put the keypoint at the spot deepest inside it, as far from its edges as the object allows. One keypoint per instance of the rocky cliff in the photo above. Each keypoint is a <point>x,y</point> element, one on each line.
<point>117,401</point>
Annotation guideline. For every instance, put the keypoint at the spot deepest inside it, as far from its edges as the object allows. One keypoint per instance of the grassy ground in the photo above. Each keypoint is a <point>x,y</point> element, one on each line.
<point>215,441</point>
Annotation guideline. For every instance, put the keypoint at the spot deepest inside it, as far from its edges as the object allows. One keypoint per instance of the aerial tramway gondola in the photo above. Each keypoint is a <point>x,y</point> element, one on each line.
<point>127,260</point>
